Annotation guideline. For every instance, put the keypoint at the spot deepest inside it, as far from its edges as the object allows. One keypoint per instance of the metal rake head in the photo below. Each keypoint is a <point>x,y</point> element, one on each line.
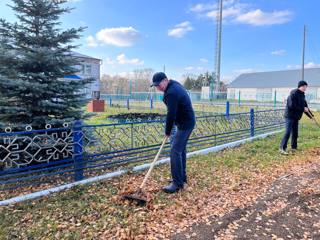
<point>141,201</point>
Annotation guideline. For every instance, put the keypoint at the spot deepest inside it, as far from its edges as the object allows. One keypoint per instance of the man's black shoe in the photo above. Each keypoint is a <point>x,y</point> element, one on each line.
<point>171,188</point>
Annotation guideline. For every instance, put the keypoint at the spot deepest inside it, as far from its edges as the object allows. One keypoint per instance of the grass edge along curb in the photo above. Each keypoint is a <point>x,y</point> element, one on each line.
<point>135,169</point>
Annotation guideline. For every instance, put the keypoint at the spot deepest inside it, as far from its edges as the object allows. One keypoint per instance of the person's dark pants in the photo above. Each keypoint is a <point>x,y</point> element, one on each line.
<point>178,156</point>
<point>292,126</point>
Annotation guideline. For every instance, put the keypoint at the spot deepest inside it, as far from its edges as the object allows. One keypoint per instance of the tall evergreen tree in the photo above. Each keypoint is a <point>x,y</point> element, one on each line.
<point>188,83</point>
<point>195,83</point>
<point>35,56</point>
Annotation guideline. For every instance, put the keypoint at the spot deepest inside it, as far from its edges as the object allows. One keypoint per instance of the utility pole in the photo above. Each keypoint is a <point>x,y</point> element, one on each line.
<point>164,68</point>
<point>303,51</point>
<point>218,42</point>
<point>130,87</point>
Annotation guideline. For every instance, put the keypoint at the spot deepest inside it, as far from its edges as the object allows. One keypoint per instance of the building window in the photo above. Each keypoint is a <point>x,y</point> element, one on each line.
<point>80,69</point>
<point>88,69</point>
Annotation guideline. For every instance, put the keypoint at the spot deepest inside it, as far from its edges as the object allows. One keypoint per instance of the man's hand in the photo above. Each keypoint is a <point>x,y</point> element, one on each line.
<point>306,109</point>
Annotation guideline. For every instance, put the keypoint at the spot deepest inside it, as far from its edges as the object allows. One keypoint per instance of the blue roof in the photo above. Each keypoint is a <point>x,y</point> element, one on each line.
<point>276,79</point>
<point>76,77</point>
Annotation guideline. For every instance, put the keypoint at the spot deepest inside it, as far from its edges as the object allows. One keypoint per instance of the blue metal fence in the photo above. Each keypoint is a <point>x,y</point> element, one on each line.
<point>72,153</point>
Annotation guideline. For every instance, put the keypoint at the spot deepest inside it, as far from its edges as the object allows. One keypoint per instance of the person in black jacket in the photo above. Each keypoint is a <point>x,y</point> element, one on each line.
<point>296,106</point>
<point>179,113</point>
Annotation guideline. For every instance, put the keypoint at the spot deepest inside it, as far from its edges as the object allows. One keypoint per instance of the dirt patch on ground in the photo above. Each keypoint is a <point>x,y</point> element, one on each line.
<point>289,209</point>
<point>136,117</point>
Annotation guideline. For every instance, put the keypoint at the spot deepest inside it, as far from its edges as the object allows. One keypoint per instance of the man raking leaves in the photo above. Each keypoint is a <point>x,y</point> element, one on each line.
<point>296,106</point>
<point>180,113</point>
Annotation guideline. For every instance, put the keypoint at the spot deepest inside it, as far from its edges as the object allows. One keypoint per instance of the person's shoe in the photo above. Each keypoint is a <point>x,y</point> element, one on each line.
<point>283,152</point>
<point>294,150</point>
<point>171,188</point>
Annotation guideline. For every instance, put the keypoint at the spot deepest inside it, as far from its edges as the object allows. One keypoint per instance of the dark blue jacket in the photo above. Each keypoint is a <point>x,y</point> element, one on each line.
<point>180,111</point>
<point>296,103</point>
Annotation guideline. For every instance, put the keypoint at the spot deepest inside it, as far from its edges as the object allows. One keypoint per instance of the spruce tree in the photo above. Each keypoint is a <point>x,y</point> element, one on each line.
<point>35,56</point>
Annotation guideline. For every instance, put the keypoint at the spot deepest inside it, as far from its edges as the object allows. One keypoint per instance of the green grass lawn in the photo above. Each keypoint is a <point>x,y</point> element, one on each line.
<point>95,211</point>
<point>159,107</point>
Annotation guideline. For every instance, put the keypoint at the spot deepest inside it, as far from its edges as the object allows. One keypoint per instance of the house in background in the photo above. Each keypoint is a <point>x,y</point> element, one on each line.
<point>271,86</point>
<point>89,68</point>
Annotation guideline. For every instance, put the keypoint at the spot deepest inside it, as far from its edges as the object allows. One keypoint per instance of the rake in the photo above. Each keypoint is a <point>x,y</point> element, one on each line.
<point>313,119</point>
<point>137,196</point>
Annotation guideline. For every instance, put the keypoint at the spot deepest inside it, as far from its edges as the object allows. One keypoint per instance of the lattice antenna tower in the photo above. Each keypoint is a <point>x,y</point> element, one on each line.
<point>218,44</point>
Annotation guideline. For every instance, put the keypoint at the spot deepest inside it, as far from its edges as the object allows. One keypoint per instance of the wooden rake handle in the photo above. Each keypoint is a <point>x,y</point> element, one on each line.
<point>314,120</point>
<point>153,163</point>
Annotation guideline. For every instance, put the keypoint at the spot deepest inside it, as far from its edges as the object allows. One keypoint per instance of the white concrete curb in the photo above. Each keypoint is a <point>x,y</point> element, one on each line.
<point>121,172</point>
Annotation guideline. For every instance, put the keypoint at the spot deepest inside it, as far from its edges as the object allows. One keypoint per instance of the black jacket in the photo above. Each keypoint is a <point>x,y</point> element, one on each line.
<point>179,107</point>
<point>296,103</point>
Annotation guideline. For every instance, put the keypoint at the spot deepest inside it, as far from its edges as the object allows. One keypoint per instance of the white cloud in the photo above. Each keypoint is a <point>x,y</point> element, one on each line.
<point>258,17</point>
<point>279,52</point>
<point>121,59</point>
<point>91,41</point>
<point>229,13</point>
<point>236,12</point>
<point>312,65</point>
<point>121,36</point>
<point>200,7</point>
<point>228,3</point>
<point>293,67</point>
<point>307,65</point>
<point>231,9</point>
<point>204,60</point>
<point>180,29</point>
<point>190,68</point>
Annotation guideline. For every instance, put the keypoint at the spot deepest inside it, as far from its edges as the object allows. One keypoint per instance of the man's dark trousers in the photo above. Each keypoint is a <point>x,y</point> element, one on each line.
<point>178,156</point>
<point>292,126</point>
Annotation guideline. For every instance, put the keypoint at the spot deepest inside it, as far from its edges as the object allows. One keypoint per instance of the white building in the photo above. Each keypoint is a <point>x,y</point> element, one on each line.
<point>270,86</point>
<point>89,68</point>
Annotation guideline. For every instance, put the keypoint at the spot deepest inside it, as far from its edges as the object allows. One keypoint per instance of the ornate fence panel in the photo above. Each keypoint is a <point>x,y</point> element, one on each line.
<point>20,149</point>
<point>43,158</point>
<point>268,120</point>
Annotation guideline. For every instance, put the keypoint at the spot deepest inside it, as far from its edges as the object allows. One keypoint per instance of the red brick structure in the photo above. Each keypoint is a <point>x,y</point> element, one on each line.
<point>96,106</point>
